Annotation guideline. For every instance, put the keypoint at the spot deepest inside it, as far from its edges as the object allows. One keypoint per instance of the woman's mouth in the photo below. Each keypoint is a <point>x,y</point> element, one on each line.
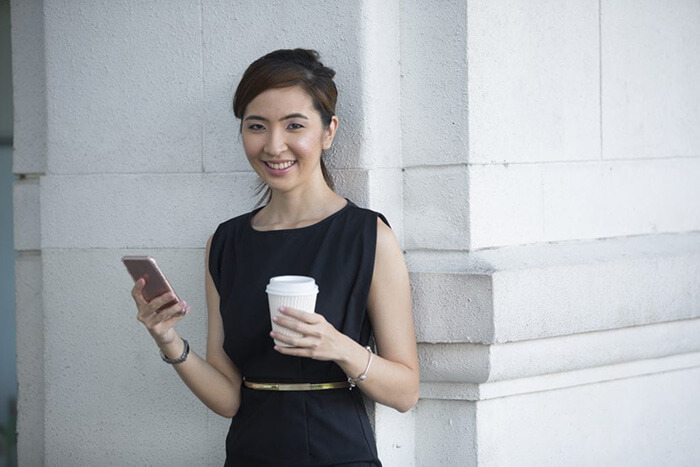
<point>279,167</point>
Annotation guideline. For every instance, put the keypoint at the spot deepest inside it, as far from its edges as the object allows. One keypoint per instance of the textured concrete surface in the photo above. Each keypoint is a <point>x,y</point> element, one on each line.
<point>481,363</point>
<point>446,433</point>
<point>529,203</point>
<point>650,73</point>
<point>29,322</point>
<point>539,165</point>
<point>27,224</point>
<point>125,406</point>
<point>233,35</point>
<point>29,86</point>
<point>436,209</point>
<point>434,100</point>
<point>534,76</point>
<point>532,292</point>
<point>622,422</point>
<point>140,210</point>
<point>124,88</point>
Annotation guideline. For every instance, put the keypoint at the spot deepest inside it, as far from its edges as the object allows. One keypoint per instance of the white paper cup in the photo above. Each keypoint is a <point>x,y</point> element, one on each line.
<point>297,292</point>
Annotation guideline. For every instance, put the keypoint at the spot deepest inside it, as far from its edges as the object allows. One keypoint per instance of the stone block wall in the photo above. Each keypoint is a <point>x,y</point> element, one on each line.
<point>554,241</point>
<point>538,161</point>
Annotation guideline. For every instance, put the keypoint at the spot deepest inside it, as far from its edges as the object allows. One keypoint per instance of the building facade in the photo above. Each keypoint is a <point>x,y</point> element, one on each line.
<point>539,161</point>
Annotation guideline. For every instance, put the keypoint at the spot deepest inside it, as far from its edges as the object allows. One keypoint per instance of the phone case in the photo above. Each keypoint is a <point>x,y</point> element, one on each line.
<point>156,283</point>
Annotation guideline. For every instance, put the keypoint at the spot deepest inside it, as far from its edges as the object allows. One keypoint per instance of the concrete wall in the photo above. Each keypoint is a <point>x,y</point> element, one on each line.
<point>552,230</point>
<point>538,168</point>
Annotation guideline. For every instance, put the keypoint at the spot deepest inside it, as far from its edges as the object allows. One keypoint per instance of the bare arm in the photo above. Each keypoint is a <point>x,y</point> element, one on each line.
<point>215,381</point>
<point>393,376</point>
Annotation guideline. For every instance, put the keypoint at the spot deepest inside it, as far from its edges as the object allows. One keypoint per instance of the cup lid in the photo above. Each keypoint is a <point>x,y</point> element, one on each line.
<point>292,285</point>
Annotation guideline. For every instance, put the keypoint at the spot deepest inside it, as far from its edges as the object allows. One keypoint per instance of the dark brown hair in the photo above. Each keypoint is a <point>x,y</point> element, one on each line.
<point>286,68</point>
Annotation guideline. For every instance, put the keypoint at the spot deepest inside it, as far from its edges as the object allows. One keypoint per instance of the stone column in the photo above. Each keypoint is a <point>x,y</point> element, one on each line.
<point>551,218</point>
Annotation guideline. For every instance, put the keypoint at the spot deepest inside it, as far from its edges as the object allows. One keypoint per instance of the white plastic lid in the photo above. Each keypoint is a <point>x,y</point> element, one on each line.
<point>292,285</point>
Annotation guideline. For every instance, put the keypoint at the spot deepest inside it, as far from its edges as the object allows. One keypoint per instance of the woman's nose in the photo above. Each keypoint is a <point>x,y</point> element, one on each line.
<point>275,144</point>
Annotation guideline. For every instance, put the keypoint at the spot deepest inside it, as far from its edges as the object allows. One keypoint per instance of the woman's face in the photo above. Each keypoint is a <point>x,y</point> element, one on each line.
<point>283,138</point>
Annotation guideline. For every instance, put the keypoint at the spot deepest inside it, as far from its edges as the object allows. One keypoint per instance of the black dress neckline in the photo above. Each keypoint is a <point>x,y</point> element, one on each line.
<point>249,221</point>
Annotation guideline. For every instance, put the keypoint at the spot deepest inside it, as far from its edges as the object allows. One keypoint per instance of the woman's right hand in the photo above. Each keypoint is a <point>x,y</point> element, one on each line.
<point>159,323</point>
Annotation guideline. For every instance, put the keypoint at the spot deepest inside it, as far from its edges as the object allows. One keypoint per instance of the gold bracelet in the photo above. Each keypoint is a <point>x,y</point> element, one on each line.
<point>363,376</point>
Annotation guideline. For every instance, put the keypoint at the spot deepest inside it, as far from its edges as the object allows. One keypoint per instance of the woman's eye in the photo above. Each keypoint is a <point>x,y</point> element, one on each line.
<point>256,127</point>
<point>295,126</point>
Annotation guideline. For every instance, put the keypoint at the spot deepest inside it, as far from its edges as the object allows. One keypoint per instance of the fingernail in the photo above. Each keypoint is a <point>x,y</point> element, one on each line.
<point>275,319</point>
<point>283,308</point>
<point>187,310</point>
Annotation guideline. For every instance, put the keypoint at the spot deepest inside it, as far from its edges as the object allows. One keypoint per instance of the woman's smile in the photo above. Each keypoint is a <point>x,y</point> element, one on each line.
<point>279,168</point>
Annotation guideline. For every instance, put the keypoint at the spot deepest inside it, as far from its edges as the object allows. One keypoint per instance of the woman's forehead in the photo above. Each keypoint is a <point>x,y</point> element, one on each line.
<point>280,102</point>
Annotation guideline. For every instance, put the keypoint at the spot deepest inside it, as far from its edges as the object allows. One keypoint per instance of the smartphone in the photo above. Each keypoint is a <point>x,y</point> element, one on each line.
<point>156,283</point>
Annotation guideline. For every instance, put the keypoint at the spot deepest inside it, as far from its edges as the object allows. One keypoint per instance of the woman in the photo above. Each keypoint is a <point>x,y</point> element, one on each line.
<point>291,405</point>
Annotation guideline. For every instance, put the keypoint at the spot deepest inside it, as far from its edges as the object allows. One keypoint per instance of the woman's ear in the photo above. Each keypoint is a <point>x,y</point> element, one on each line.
<point>329,133</point>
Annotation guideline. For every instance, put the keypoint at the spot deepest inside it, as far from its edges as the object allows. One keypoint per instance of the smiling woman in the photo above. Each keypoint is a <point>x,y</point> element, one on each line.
<point>286,69</point>
<point>289,391</point>
<point>284,137</point>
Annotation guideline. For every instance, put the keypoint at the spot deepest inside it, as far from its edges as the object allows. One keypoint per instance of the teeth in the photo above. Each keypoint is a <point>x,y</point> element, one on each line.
<point>281,165</point>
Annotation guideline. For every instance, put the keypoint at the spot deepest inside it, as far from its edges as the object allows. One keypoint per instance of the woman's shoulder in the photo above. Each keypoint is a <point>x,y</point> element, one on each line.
<point>368,214</point>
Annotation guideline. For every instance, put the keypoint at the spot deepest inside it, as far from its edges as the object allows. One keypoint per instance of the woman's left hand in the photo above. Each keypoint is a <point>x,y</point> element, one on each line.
<point>319,339</point>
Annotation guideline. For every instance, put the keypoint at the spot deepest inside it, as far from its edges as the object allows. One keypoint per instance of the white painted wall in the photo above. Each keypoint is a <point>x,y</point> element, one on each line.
<point>538,160</point>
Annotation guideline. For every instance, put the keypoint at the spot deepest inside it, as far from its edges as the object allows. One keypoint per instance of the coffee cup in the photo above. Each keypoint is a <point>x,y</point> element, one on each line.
<point>298,292</point>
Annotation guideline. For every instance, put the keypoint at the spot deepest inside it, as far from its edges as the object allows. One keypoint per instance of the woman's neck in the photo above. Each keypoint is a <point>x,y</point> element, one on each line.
<point>298,208</point>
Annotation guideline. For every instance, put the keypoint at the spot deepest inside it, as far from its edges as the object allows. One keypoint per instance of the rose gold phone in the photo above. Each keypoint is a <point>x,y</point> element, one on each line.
<point>156,283</point>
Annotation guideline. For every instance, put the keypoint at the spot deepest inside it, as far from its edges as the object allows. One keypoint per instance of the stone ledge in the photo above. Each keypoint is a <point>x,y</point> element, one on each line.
<point>477,363</point>
<point>497,389</point>
<point>546,290</point>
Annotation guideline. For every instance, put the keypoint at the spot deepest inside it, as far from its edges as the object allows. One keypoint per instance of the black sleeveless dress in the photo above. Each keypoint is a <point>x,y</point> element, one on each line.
<point>295,428</point>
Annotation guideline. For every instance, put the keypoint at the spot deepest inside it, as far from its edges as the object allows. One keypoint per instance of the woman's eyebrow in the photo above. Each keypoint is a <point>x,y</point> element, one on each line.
<point>294,115</point>
<point>286,117</point>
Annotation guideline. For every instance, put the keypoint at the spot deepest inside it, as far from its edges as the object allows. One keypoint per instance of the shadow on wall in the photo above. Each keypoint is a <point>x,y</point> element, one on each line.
<point>8,436</point>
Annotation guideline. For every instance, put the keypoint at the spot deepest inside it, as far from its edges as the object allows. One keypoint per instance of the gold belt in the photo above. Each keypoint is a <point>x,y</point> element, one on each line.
<point>296,386</point>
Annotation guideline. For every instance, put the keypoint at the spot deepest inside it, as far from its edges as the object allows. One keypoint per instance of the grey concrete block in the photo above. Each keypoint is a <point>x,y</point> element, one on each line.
<point>154,211</point>
<point>533,292</point>
<point>436,208</point>
<point>528,203</point>
<point>505,204</point>
<point>29,319</point>
<point>434,84</point>
<point>124,87</point>
<point>396,436</point>
<point>453,307</point>
<point>446,433</point>
<point>104,378</point>
<point>27,217</point>
<point>540,428</point>
<point>474,364</point>
<point>28,86</point>
<point>651,100</point>
<point>226,55</point>
<point>534,81</point>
